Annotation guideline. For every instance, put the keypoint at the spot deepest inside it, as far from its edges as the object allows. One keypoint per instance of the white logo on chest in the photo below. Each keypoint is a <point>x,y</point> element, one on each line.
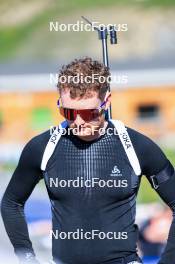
<point>116,172</point>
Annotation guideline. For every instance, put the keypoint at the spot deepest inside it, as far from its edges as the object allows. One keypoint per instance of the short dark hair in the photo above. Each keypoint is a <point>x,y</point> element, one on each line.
<point>84,67</point>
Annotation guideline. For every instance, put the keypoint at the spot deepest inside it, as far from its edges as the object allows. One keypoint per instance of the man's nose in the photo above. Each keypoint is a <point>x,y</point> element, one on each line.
<point>79,121</point>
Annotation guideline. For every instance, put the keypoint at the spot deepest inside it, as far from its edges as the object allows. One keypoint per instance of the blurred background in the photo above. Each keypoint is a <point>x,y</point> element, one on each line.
<point>143,95</point>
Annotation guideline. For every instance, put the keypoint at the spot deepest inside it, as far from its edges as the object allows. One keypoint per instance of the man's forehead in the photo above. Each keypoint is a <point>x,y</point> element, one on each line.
<point>83,102</point>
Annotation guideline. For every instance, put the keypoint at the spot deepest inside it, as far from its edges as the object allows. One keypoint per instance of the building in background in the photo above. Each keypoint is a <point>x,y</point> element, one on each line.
<point>144,100</point>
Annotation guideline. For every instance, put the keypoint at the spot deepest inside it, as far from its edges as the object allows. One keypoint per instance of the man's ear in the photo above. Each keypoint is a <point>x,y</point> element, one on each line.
<point>107,99</point>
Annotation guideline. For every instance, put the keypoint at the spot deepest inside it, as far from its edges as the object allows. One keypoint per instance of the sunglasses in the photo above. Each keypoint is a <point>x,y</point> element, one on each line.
<point>86,114</point>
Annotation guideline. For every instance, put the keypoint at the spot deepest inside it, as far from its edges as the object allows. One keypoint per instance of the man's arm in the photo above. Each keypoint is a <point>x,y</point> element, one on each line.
<point>160,173</point>
<point>24,179</point>
<point>166,191</point>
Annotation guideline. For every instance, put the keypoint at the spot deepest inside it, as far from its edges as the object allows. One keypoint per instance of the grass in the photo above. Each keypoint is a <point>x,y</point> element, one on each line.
<point>170,153</point>
<point>12,37</point>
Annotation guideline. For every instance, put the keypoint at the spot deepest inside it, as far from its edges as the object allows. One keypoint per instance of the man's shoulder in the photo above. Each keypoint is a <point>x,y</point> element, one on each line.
<point>138,136</point>
<point>41,138</point>
<point>152,159</point>
<point>33,150</point>
<point>38,143</point>
<point>142,143</point>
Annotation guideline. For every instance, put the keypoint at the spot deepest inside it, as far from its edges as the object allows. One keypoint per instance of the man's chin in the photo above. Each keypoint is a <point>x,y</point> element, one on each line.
<point>84,133</point>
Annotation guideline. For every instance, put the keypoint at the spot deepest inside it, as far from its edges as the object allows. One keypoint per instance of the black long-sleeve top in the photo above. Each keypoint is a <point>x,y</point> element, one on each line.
<point>95,208</point>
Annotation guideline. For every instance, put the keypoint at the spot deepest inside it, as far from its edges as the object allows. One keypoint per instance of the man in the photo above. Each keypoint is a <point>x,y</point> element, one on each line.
<point>90,178</point>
